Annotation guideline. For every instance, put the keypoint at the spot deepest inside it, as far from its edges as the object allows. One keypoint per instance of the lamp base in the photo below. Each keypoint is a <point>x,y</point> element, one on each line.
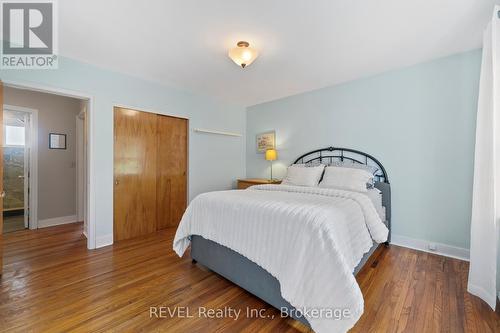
<point>271,179</point>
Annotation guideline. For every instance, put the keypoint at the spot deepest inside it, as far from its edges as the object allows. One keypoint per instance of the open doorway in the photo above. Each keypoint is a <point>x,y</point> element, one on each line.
<point>44,156</point>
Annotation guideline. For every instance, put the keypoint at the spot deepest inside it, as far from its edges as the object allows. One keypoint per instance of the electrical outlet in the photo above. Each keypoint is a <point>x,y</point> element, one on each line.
<point>432,247</point>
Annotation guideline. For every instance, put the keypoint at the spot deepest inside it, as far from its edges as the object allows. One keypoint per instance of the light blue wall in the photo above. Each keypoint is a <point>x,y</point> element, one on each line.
<point>419,122</point>
<point>214,161</point>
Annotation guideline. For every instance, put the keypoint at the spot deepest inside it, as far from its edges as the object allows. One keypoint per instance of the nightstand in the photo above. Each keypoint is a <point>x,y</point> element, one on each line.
<point>244,183</point>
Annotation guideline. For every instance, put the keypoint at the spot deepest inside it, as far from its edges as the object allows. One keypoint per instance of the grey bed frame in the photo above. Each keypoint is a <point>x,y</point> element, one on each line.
<point>256,280</point>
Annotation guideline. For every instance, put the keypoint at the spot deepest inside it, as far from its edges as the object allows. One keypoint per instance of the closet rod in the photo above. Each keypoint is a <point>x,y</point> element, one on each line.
<point>202,130</point>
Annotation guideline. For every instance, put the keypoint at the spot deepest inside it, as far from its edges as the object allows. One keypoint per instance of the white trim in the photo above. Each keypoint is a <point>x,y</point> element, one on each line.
<point>80,169</point>
<point>57,221</point>
<point>13,146</point>
<point>19,108</point>
<point>33,164</point>
<point>26,85</point>
<point>91,195</point>
<point>423,245</point>
<point>105,240</point>
<point>27,174</point>
<point>483,294</point>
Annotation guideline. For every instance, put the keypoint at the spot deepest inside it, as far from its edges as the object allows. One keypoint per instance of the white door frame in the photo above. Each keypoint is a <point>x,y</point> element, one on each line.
<point>80,169</point>
<point>33,162</point>
<point>91,238</point>
<point>28,157</point>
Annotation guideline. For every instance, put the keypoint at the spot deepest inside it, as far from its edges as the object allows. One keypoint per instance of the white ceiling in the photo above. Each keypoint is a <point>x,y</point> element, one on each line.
<point>304,45</point>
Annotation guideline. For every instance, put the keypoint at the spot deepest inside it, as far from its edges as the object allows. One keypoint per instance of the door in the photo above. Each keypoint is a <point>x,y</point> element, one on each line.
<point>135,154</point>
<point>172,170</point>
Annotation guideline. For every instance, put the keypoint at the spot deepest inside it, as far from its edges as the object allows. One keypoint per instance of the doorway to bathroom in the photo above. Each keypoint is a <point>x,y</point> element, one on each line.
<point>19,158</point>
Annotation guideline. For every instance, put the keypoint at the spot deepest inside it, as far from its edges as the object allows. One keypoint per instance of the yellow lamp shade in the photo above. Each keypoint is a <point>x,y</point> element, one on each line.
<point>271,155</point>
<point>243,55</point>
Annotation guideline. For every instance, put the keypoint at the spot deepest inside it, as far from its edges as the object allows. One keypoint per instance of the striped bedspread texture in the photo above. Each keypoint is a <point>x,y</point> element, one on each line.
<point>310,239</point>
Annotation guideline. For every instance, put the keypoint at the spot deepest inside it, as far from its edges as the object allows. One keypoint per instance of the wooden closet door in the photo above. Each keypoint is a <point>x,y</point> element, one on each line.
<point>172,170</point>
<point>135,157</point>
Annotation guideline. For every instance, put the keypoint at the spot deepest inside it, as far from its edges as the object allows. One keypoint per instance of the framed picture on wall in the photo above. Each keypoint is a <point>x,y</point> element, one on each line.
<point>265,141</point>
<point>57,141</point>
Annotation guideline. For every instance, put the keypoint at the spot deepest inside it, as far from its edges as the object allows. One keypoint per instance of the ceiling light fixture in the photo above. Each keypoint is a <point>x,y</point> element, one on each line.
<point>243,55</point>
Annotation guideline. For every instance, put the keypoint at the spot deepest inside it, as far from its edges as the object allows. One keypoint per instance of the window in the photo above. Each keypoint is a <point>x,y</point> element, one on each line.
<point>14,136</point>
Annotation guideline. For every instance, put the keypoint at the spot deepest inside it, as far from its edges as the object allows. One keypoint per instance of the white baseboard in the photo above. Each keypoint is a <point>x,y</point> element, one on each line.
<point>423,245</point>
<point>102,241</point>
<point>57,221</point>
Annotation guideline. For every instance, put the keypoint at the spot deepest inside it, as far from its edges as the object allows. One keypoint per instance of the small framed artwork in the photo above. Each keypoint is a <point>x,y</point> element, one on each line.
<point>266,141</point>
<point>57,141</point>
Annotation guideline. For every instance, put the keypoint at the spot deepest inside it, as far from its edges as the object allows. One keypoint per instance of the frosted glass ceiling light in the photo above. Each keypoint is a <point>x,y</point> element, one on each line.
<point>243,55</point>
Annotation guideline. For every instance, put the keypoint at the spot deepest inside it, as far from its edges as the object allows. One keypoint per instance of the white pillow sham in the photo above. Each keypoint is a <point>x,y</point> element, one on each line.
<point>346,179</point>
<point>301,176</point>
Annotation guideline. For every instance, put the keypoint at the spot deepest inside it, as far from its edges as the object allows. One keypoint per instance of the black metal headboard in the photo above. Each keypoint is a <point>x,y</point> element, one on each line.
<point>332,154</point>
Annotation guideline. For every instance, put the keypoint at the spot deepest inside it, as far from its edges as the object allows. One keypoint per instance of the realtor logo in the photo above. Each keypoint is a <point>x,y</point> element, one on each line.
<point>28,35</point>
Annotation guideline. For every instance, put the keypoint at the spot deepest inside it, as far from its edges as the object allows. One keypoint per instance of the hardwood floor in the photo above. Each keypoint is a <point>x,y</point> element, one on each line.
<point>51,282</point>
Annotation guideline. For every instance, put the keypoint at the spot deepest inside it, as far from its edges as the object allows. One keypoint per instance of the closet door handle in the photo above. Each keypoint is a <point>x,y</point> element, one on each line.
<point>2,194</point>
<point>117,182</point>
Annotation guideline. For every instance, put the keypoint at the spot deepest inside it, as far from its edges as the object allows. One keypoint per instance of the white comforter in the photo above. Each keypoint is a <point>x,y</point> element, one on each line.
<point>310,239</point>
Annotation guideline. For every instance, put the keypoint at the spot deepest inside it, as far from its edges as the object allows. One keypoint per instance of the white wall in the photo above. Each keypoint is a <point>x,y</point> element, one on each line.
<point>56,168</point>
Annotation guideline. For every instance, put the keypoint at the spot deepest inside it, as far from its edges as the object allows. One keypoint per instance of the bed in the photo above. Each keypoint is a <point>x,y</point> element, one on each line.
<point>268,284</point>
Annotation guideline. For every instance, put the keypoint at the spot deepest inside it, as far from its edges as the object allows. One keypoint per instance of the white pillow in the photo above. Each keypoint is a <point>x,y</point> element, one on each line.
<point>301,176</point>
<point>346,179</point>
